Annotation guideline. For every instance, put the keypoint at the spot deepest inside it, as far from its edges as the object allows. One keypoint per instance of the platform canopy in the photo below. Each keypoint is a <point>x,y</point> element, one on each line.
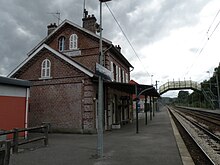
<point>147,90</point>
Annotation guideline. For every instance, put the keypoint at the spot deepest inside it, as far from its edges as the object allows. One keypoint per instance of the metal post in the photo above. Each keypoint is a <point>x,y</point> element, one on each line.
<point>46,130</point>
<point>153,107</point>
<point>136,92</point>
<point>145,108</point>
<point>150,109</point>
<point>100,95</point>
<point>15,141</point>
<point>210,85</point>
<point>216,74</point>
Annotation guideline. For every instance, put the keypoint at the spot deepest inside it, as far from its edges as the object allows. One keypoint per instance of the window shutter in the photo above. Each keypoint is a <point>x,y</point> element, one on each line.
<point>123,76</point>
<point>126,76</point>
<point>119,75</point>
<point>112,71</point>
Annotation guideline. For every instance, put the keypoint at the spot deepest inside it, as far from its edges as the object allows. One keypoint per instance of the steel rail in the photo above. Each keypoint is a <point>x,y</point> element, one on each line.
<point>205,155</point>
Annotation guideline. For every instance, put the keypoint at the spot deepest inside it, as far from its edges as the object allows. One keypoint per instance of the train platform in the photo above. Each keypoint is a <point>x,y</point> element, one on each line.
<point>157,143</point>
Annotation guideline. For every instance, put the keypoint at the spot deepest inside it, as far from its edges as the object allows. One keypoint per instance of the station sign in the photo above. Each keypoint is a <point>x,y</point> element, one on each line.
<point>104,72</point>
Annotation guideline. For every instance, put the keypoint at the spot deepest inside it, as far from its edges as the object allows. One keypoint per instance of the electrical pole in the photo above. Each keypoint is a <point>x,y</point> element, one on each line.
<point>216,75</point>
<point>100,92</point>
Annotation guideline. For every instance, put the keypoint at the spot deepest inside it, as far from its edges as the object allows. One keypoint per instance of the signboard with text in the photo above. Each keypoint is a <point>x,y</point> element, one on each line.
<point>104,72</point>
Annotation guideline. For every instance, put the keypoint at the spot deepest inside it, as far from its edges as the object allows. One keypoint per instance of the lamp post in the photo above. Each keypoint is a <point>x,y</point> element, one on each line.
<point>100,92</point>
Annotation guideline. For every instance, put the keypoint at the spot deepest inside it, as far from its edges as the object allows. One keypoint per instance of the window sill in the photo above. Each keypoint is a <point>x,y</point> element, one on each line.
<point>45,78</point>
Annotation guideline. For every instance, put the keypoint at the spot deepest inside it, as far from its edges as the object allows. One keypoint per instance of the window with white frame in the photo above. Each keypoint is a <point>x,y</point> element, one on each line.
<point>73,41</point>
<point>61,43</point>
<point>123,76</point>
<point>126,77</point>
<point>45,69</point>
<point>119,74</point>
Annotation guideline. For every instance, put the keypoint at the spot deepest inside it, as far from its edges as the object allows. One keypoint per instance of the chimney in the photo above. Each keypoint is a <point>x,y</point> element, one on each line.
<point>118,48</point>
<point>51,28</point>
<point>89,23</point>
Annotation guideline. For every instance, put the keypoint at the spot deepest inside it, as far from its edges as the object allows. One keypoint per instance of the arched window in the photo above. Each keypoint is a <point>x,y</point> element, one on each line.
<point>73,41</point>
<point>61,43</point>
<point>45,69</point>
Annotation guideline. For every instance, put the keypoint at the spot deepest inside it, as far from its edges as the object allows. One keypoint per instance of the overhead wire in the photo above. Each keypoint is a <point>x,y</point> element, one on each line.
<point>213,21</point>
<point>200,50</point>
<point>129,42</point>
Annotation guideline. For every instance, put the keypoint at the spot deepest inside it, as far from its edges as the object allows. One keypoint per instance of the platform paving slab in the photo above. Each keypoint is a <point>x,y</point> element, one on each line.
<point>154,145</point>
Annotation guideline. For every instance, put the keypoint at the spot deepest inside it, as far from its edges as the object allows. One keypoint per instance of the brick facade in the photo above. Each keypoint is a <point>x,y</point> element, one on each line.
<point>68,98</point>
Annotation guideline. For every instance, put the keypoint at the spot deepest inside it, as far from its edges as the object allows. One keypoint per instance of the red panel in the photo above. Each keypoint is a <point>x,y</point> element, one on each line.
<point>12,112</point>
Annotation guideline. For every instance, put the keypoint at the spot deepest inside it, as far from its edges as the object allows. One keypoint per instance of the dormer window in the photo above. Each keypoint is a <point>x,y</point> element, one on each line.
<point>61,43</point>
<point>45,69</point>
<point>73,41</point>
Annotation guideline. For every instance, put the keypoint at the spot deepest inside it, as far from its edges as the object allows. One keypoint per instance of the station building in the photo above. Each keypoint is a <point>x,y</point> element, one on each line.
<point>64,89</point>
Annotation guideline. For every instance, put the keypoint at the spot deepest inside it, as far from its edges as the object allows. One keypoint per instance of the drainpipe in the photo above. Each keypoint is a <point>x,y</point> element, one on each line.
<point>26,110</point>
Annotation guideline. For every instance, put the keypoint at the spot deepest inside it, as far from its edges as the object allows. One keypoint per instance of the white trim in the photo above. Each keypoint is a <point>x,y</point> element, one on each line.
<point>126,79</point>
<point>73,42</point>
<point>73,63</point>
<point>112,71</point>
<point>61,43</point>
<point>45,69</point>
<point>119,74</point>
<point>123,76</point>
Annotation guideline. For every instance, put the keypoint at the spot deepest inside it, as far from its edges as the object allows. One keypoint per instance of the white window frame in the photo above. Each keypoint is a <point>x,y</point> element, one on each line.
<point>61,43</point>
<point>73,42</point>
<point>46,69</point>
<point>119,74</point>
<point>126,77</point>
<point>123,76</point>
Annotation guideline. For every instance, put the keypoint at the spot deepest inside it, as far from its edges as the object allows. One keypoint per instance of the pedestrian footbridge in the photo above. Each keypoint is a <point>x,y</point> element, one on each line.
<point>178,85</point>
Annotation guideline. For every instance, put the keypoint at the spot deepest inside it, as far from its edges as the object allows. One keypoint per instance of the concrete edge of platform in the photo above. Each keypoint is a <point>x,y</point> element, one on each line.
<point>184,153</point>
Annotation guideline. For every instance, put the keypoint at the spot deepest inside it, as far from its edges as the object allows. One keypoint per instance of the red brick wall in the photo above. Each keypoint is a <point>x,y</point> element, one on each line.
<point>88,45</point>
<point>66,100</point>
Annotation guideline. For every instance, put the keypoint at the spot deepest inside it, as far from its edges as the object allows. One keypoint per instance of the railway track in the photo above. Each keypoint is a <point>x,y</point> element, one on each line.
<point>203,145</point>
<point>206,116</point>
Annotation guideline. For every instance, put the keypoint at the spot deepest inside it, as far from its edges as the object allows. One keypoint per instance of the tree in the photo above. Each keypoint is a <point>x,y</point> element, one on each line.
<point>183,97</point>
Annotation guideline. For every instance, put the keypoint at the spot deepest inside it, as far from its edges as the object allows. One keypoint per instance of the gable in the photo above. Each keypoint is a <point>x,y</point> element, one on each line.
<point>28,61</point>
<point>84,41</point>
<point>64,23</point>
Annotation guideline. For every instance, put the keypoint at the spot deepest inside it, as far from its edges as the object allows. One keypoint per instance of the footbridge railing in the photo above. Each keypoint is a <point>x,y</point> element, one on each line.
<point>177,85</point>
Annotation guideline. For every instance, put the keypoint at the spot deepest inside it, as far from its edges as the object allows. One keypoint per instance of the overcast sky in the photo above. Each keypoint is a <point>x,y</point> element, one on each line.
<point>173,39</point>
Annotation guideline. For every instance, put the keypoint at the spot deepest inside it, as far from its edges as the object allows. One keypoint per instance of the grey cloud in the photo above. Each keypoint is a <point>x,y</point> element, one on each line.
<point>151,25</point>
<point>23,23</point>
